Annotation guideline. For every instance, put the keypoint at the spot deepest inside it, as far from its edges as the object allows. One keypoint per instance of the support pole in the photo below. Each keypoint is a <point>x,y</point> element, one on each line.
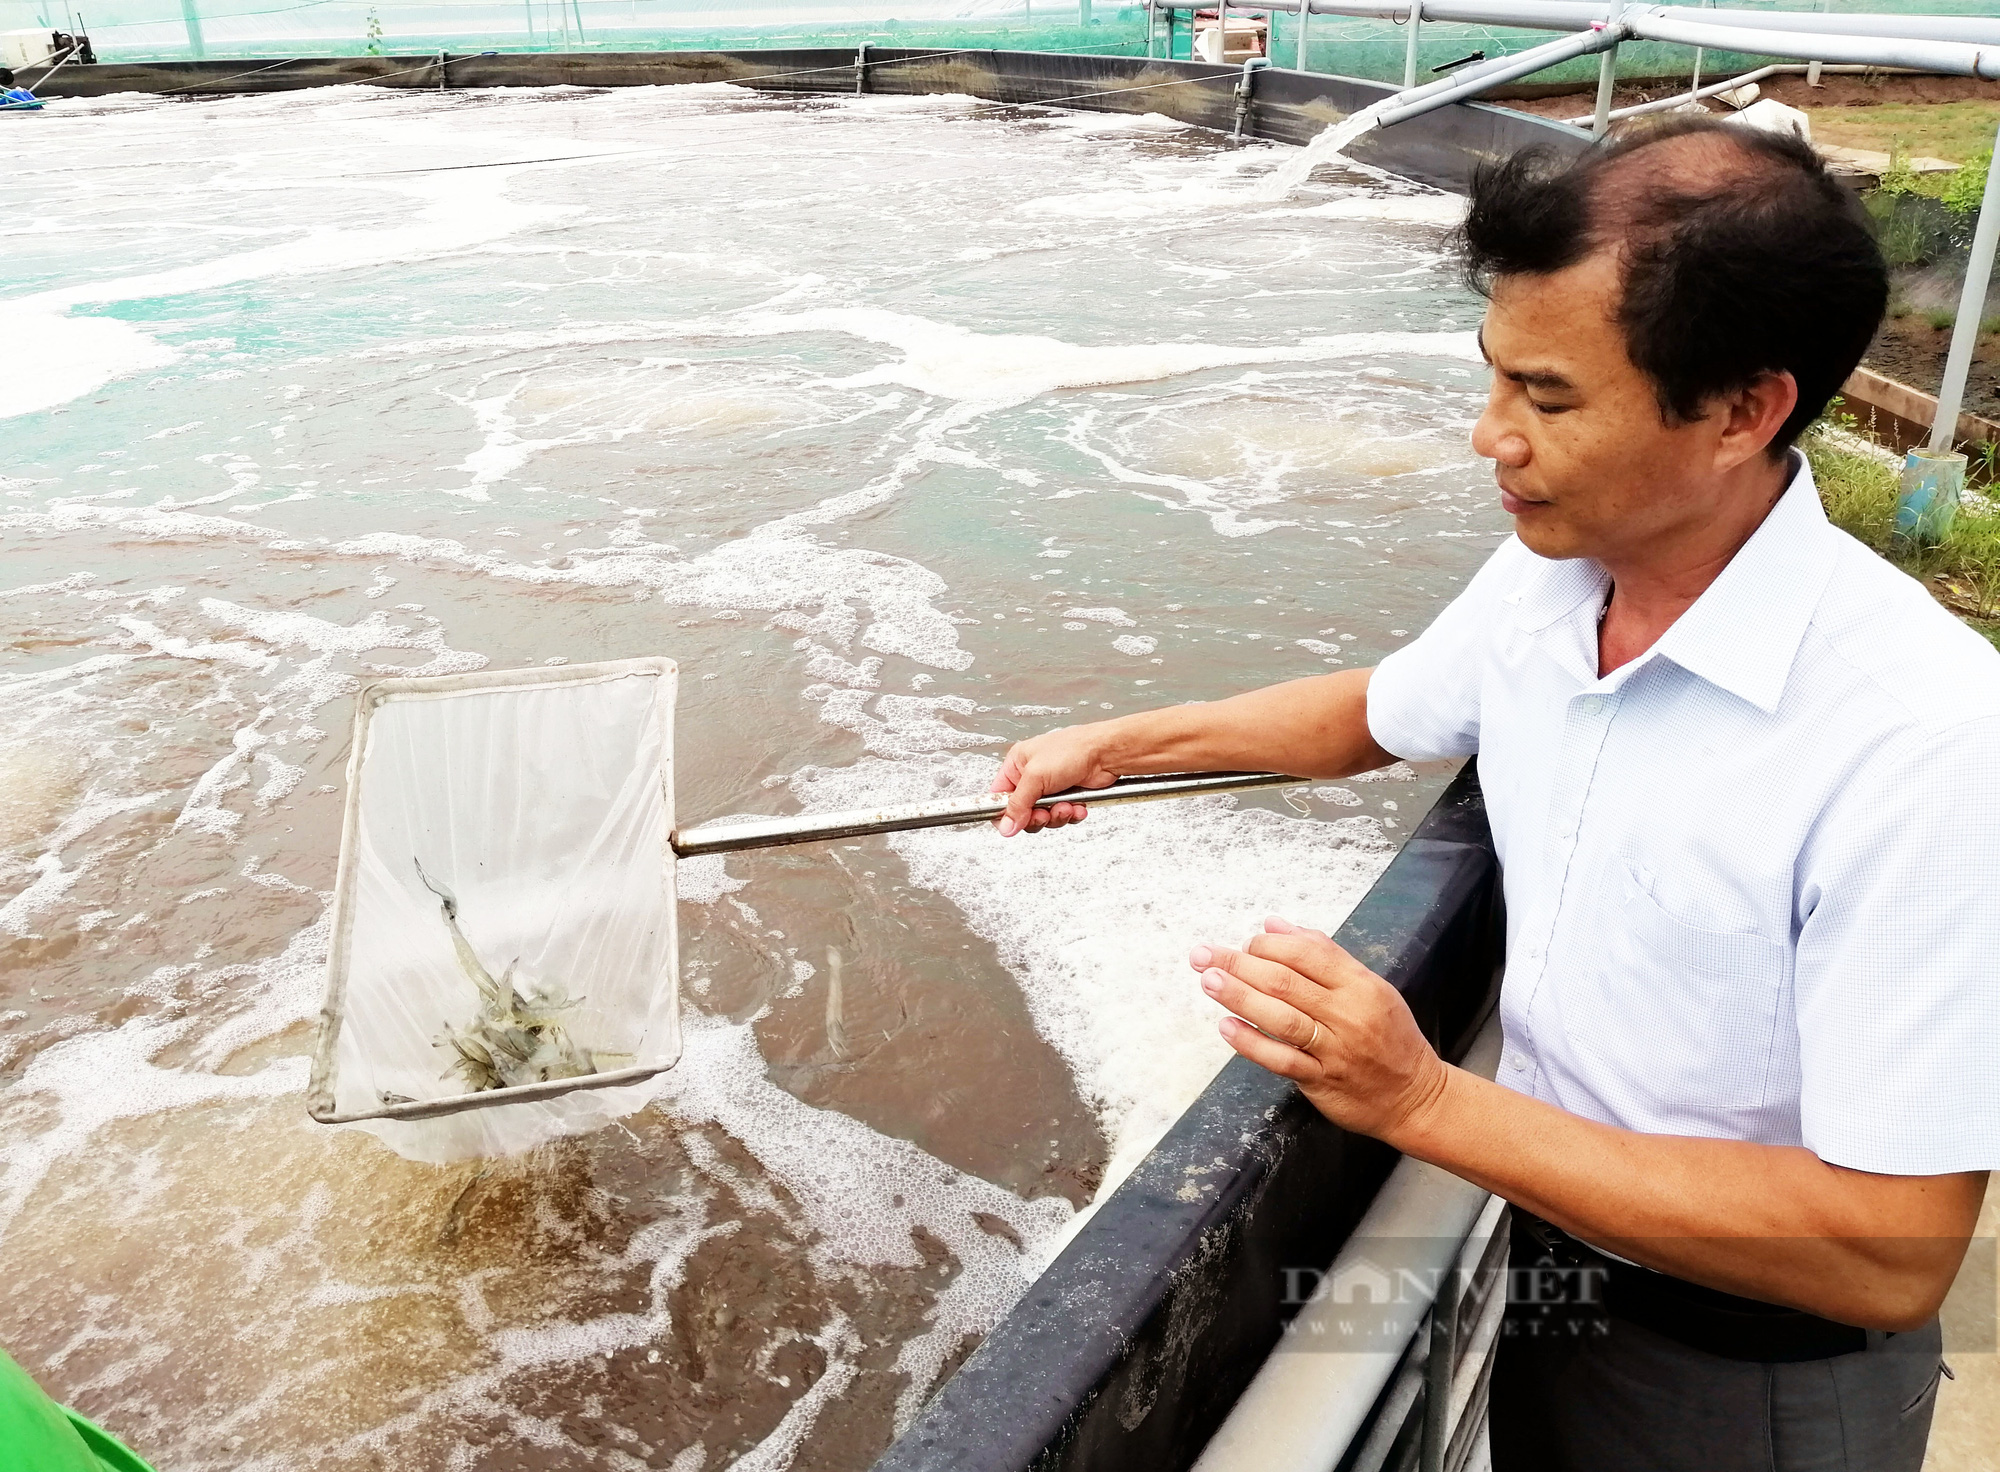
<point>1971,307</point>
<point>191,18</point>
<point>1152,22</point>
<point>1607,77</point>
<point>1415,23</point>
<point>1694,88</point>
<point>1305,18</point>
<point>1812,68</point>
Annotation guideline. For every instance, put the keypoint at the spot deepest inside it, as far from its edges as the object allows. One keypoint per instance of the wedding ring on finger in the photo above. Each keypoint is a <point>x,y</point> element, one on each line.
<point>1314,1038</point>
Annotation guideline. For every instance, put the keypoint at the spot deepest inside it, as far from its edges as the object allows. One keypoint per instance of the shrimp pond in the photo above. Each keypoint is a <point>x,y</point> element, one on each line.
<point>908,427</point>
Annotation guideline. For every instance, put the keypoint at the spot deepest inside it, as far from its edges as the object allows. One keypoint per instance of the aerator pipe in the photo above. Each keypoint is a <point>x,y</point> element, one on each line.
<point>735,836</point>
<point>1481,75</point>
<point>1971,308</point>
<point>1471,82</point>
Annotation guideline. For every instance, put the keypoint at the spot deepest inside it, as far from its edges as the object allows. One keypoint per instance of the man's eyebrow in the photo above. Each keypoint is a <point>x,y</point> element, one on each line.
<point>1542,380</point>
<point>1552,381</point>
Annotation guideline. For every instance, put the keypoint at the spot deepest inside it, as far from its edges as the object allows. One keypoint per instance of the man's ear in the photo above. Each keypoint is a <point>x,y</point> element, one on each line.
<point>1752,416</point>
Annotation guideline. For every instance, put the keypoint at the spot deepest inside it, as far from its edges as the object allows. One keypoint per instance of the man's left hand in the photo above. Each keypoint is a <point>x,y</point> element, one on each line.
<point>1306,1009</point>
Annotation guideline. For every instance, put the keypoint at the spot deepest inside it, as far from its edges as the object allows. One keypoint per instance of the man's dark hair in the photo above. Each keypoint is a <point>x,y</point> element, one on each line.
<point>1741,255</point>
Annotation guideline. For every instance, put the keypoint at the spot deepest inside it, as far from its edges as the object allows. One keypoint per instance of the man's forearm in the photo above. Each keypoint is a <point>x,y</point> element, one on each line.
<point>1316,727</point>
<point>1770,1222</point>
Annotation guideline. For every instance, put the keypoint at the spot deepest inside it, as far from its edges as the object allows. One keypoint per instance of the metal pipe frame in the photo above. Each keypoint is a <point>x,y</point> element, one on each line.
<point>1579,15</point>
<point>1971,308</point>
<point>1607,79</point>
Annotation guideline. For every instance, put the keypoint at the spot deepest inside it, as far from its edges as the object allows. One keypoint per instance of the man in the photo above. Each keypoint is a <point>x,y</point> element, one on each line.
<point>1742,778</point>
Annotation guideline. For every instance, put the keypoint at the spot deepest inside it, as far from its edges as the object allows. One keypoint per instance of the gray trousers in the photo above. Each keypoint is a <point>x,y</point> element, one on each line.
<point>1630,1400</point>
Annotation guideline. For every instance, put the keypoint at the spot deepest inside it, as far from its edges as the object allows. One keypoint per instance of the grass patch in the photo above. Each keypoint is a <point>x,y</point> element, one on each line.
<point>1952,131</point>
<point>1962,572</point>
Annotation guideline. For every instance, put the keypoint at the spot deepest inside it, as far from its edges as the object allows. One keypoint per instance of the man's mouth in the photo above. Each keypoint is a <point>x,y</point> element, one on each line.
<point>1516,505</point>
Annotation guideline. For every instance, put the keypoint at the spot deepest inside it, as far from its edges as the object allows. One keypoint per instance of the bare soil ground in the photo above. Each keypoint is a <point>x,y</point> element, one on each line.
<point>1912,351</point>
<point>1945,117</point>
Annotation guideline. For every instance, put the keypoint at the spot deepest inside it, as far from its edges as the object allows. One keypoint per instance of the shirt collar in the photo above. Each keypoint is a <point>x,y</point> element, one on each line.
<point>1743,633</point>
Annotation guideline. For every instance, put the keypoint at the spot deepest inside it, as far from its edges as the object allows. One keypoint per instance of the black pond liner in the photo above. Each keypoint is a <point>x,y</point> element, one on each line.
<point>1439,148</point>
<point>1129,1351</point>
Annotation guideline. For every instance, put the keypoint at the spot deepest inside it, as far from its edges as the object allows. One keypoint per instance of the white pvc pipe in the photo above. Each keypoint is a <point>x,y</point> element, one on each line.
<point>1948,57</point>
<point>1577,15</point>
<point>1416,24</point>
<point>1607,80</point>
<point>1304,1408</point>
<point>1971,308</point>
<point>1471,82</point>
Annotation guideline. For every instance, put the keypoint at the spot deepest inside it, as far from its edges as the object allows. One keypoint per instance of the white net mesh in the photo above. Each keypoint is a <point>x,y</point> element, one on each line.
<point>504,922</point>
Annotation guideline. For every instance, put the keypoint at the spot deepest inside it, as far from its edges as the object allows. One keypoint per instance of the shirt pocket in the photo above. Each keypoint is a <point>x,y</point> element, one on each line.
<point>1676,1015</point>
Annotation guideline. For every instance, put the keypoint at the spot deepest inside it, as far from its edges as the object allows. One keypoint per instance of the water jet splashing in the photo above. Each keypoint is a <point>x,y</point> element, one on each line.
<point>1328,144</point>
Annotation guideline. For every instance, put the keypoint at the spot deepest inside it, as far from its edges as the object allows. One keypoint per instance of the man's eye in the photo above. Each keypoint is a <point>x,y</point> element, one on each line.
<point>1541,408</point>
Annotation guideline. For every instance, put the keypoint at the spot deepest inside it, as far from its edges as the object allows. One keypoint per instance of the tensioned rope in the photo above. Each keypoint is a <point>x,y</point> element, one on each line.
<point>858,64</point>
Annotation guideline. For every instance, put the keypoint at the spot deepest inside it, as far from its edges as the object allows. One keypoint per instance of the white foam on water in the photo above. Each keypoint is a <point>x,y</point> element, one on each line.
<point>1113,123</point>
<point>104,1076</point>
<point>1442,210</point>
<point>1095,921</point>
<point>777,567</point>
<point>997,369</point>
<point>865,1193</point>
<point>72,356</point>
<point>455,211</point>
<point>52,880</point>
<point>158,522</point>
<point>316,681</point>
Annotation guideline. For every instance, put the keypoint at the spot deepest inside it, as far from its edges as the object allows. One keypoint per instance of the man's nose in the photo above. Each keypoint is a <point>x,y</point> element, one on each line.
<point>1492,439</point>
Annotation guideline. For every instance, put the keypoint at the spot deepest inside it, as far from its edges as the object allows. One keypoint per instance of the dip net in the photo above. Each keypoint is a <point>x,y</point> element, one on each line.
<point>503,960</point>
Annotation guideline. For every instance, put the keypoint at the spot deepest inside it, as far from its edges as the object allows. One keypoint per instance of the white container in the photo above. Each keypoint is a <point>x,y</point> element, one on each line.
<point>20,49</point>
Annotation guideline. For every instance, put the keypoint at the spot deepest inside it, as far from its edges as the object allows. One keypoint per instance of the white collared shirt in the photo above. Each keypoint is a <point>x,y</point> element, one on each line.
<point>1752,877</point>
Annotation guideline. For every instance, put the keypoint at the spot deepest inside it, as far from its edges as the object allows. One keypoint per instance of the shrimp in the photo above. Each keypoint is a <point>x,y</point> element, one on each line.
<point>517,1036</point>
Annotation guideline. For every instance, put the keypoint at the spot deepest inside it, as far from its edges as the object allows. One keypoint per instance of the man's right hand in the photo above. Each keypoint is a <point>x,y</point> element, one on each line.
<point>1315,727</point>
<point>1075,756</point>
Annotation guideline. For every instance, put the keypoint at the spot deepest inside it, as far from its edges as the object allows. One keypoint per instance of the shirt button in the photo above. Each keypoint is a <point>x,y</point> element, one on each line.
<point>1517,1062</point>
<point>1590,705</point>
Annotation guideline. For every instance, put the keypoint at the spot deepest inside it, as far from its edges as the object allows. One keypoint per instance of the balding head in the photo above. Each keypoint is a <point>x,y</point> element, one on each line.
<point>1739,255</point>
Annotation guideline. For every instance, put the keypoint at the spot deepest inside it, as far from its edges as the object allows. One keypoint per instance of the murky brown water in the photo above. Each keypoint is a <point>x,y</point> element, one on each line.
<point>908,427</point>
